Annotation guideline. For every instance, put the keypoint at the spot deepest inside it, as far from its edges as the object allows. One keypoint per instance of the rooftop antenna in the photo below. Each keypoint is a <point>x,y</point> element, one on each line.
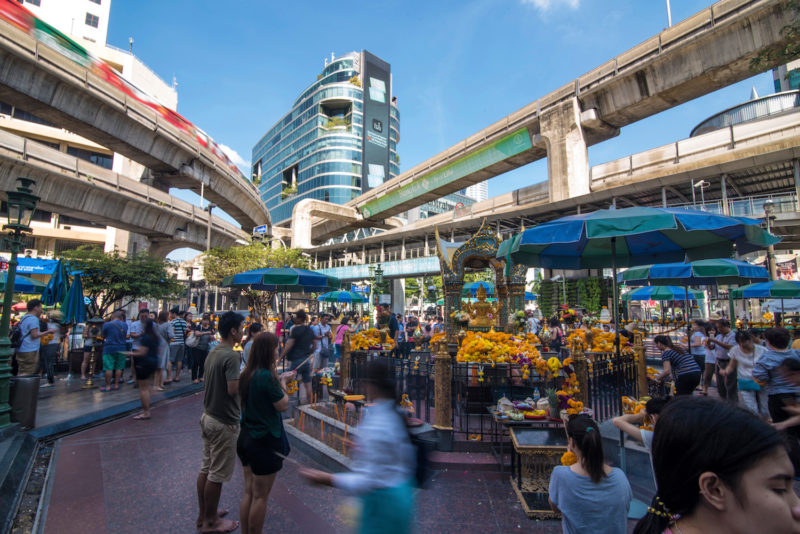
<point>332,57</point>
<point>130,44</point>
<point>174,81</point>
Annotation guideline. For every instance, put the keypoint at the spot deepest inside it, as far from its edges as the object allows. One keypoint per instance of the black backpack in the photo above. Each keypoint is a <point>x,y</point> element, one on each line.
<point>16,335</point>
<point>422,449</point>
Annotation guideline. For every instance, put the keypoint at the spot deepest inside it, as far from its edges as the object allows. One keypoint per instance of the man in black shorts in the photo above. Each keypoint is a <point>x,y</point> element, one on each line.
<point>299,346</point>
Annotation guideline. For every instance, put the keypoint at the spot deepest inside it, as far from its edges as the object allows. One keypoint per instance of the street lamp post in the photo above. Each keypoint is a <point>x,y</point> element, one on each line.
<point>769,215</point>
<point>208,247</point>
<point>21,205</point>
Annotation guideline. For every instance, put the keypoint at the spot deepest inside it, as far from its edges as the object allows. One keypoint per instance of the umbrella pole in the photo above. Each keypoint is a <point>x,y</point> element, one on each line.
<point>687,315</point>
<point>782,312</point>
<point>615,312</point>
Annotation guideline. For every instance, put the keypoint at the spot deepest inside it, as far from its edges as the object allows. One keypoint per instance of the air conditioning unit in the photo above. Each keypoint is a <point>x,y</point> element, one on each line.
<point>31,252</point>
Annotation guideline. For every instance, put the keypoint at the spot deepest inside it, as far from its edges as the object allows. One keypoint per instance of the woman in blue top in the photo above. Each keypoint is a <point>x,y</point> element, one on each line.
<point>591,496</point>
<point>263,397</point>
<point>680,363</point>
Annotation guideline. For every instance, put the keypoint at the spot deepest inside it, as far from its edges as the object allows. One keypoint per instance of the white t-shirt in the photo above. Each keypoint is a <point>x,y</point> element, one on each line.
<point>744,367</point>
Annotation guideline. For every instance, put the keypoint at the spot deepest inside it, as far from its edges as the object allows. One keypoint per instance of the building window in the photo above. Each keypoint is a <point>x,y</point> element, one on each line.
<point>92,20</point>
<point>34,2</point>
<point>98,158</point>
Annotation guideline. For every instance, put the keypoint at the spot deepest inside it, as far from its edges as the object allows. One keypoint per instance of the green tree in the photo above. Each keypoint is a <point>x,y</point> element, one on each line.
<point>112,280</point>
<point>221,262</point>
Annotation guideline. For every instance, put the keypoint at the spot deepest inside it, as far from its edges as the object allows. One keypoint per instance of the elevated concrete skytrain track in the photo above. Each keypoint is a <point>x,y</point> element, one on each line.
<point>71,186</point>
<point>43,81</point>
<point>708,51</point>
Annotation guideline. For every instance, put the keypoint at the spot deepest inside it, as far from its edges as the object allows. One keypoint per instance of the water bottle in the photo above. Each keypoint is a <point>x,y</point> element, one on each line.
<point>536,395</point>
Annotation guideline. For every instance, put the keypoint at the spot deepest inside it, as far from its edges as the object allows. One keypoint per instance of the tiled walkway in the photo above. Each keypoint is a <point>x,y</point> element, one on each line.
<point>139,476</point>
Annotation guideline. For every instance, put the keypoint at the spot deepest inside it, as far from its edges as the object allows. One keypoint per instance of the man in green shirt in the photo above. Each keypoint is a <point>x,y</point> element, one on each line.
<point>219,424</point>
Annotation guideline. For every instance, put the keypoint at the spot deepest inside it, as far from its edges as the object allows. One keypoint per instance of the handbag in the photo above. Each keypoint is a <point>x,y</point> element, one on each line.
<point>192,341</point>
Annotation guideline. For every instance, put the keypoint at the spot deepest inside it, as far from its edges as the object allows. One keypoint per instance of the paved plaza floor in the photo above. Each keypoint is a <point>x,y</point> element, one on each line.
<point>130,476</point>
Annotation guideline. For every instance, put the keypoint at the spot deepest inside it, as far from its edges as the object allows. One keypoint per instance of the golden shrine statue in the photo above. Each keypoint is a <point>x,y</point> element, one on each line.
<point>482,313</point>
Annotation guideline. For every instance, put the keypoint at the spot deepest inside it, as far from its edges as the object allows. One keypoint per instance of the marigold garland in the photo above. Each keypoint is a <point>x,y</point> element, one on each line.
<point>370,339</point>
<point>569,458</point>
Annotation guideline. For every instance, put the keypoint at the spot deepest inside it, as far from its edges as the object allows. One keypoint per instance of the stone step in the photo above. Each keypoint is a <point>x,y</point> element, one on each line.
<point>17,453</point>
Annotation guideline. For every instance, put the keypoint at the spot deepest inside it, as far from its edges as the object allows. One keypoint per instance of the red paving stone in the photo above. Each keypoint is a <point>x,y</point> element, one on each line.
<point>131,476</point>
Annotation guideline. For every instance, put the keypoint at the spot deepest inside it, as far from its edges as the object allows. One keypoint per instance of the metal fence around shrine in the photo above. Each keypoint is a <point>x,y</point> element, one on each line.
<point>609,378</point>
<point>476,387</point>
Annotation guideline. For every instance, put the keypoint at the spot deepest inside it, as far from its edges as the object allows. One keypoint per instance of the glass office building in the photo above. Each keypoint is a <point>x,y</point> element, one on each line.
<point>321,149</point>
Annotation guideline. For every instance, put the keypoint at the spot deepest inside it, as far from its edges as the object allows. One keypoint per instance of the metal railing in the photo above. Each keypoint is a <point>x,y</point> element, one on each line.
<point>752,206</point>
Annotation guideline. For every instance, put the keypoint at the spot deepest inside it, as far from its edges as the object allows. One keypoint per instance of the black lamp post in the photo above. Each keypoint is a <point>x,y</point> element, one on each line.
<point>769,216</point>
<point>21,205</point>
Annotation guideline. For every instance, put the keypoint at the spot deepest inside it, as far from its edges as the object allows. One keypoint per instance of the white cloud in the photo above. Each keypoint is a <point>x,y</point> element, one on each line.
<point>547,5</point>
<point>237,160</point>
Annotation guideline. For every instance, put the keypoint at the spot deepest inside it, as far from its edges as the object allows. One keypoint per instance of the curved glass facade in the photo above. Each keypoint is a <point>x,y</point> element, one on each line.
<point>316,149</point>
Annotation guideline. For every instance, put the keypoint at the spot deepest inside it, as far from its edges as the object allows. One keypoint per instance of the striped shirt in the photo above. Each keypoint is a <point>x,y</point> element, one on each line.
<point>682,362</point>
<point>179,329</point>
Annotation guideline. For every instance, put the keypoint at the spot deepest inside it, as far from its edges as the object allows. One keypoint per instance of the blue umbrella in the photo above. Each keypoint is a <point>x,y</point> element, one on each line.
<point>56,289</point>
<point>696,273</point>
<point>471,288</point>
<point>529,296</point>
<point>634,236</point>
<point>342,296</point>
<point>287,279</point>
<point>22,284</point>
<point>662,293</point>
<point>74,304</point>
<point>773,289</point>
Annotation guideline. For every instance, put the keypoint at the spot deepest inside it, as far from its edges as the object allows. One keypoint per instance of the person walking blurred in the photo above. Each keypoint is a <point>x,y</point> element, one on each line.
<point>384,460</point>
<point>145,362</point>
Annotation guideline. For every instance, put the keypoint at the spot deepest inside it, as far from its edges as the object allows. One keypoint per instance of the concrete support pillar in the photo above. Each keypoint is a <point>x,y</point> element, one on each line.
<point>363,254</point>
<point>663,197</point>
<point>443,408</point>
<point>426,246</point>
<point>796,172</point>
<point>567,158</point>
<point>330,260</point>
<point>383,256</point>
<point>345,381</point>
<point>724,187</point>
<point>403,249</point>
<point>398,295</point>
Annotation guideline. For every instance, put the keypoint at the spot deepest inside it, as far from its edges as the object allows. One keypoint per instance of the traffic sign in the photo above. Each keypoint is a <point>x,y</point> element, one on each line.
<point>260,229</point>
<point>3,265</point>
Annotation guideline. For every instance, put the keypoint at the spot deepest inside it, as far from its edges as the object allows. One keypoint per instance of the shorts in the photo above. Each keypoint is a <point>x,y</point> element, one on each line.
<point>259,453</point>
<point>219,449</point>
<point>113,361</point>
<point>144,367</point>
<point>28,362</point>
<point>304,372</point>
<point>176,353</point>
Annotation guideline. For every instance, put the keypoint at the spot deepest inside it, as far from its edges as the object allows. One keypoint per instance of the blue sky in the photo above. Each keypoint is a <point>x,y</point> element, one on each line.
<point>457,66</point>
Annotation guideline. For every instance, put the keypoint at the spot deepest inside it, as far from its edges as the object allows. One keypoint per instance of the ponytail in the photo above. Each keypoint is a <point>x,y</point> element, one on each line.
<point>667,342</point>
<point>586,435</point>
<point>656,520</point>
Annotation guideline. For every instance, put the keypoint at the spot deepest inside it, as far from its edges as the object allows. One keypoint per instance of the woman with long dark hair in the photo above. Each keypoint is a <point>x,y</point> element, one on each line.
<point>145,363</point>
<point>680,363</point>
<point>719,470</point>
<point>591,496</point>
<point>247,343</point>
<point>263,396</point>
<point>556,335</point>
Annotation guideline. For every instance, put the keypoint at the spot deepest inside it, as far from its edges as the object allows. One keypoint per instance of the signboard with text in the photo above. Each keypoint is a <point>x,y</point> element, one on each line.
<point>377,86</point>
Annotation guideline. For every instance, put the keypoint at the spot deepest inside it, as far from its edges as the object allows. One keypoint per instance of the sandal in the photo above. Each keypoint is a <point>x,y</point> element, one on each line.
<point>141,417</point>
<point>103,388</point>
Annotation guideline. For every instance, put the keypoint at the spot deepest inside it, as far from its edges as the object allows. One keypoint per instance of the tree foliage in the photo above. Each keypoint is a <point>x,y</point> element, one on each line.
<point>788,50</point>
<point>221,262</point>
<point>112,280</point>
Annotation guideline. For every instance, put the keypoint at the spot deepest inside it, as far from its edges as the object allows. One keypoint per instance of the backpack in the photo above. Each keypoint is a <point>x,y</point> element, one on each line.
<point>422,449</point>
<point>16,335</point>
